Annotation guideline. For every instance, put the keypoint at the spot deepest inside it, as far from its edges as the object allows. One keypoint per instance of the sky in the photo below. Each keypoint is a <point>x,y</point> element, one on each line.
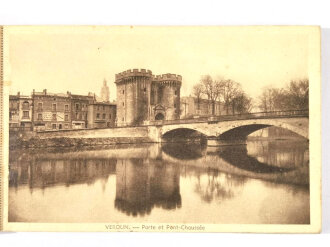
<point>78,59</point>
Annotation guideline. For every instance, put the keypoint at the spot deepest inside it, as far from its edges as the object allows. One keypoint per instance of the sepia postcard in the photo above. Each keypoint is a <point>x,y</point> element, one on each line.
<point>160,129</point>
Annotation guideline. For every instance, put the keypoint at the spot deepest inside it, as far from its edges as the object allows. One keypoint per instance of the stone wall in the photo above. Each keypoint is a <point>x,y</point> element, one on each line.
<point>96,133</point>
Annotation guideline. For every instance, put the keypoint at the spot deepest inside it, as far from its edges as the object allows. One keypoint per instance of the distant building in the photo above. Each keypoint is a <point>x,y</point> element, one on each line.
<point>143,97</point>
<point>20,112</point>
<point>192,107</point>
<point>101,115</point>
<point>79,110</point>
<point>105,93</point>
<point>51,111</point>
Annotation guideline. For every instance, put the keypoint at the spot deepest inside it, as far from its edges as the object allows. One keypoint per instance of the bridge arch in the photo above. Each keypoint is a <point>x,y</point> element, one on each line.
<point>167,129</point>
<point>242,128</point>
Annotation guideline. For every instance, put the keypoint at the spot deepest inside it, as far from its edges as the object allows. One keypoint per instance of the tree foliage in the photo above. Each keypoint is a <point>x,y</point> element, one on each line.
<point>295,96</point>
<point>224,90</point>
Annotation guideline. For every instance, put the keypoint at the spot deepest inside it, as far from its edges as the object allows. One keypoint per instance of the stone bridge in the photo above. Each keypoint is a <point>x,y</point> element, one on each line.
<point>233,128</point>
<point>225,128</point>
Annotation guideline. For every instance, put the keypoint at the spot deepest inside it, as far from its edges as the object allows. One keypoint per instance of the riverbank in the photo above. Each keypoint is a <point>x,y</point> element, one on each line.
<point>35,142</point>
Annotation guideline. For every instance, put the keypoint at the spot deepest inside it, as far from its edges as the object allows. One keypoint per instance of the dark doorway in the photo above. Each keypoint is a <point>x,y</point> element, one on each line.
<point>159,116</point>
<point>60,126</point>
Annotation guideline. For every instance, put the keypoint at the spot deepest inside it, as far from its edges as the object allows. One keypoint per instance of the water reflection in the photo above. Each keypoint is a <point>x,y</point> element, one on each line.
<point>169,183</point>
<point>141,185</point>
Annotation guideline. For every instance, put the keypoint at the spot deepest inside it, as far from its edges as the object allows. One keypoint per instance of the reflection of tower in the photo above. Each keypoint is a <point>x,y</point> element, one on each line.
<point>141,186</point>
<point>105,94</point>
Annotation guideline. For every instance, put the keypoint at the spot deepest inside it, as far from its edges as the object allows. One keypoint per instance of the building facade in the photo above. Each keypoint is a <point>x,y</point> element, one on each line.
<point>193,107</point>
<point>20,112</point>
<point>79,110</point>
<point>101,115</point>
<point>143,97</point>
<point>51,111</point>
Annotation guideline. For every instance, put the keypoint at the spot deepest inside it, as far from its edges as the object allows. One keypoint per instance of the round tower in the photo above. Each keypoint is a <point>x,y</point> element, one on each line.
<point>133,96</point>
<point>168,95</point>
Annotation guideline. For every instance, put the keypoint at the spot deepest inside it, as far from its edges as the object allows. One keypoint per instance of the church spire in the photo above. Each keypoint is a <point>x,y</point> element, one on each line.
<point>105,94</point>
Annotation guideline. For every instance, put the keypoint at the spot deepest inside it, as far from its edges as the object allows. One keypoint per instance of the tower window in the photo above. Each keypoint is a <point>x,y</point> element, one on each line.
<point>144,90</point>
<point>123,91</point>
<point>175,92</point>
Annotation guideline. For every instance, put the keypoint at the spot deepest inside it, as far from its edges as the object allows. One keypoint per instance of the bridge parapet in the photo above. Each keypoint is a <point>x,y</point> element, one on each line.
<point>244,116</point>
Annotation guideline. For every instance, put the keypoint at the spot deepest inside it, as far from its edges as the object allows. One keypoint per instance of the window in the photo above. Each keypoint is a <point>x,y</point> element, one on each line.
<point>39,116</point>
<point>10,116</point>
<point>40,106</point>
<point>103,108</point>
<point>66,107</point>
<point>123,91</point>
<point>144,90</point>
<point>98,116</point>
<point>26,114</point>
<point>123,119</point>
<point>54,107</point>
<point>174,105</point>
<point>54,116</point>
<point>66,117</point>
<point>98,107</point>
<point>103,116</point>
<point>175,92</point>
<point>77,115</point>
<point>123,104</point>
<point>77,107</point>
<point>109,116</point>
<point>26,105</point>
<point>54,126</point>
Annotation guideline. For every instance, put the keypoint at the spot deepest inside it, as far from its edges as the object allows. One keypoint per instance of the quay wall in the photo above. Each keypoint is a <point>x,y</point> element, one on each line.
<point>86,137</point>
<point>96,133</point>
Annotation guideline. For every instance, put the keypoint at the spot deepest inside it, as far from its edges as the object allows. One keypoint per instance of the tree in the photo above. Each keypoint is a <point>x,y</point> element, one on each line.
<point>241,103</point>
<point>212,89</point>
<point>299,94</point>
<point>198,93</point>
<point>294,96</point>
<point>229,90</point>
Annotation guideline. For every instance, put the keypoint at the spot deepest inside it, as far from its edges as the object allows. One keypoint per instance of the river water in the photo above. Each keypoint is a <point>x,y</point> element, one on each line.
<point>260,182</point>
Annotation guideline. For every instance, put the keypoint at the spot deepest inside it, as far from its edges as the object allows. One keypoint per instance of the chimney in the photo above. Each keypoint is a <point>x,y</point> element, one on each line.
<point>45,91</point>
<point>18,94</point>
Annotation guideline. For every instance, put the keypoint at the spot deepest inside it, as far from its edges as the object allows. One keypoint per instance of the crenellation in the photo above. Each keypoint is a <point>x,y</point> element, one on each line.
<point>143,96</point>
<point>128,74</point>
